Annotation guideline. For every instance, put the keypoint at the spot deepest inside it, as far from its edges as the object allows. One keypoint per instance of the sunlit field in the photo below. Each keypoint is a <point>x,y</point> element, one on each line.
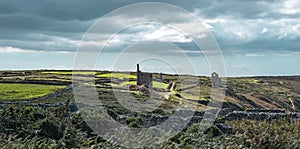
<point>26,91</point>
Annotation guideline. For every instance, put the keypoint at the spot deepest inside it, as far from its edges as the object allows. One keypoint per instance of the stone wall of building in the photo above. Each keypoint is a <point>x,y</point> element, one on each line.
<point>215,80</point>
<point>143,78</point>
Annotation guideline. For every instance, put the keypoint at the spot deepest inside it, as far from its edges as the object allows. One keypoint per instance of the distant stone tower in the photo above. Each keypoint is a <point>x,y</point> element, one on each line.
<point>215,80</point>
<point>160,77</point>
<point>138,75</point>
<point>143,78</point>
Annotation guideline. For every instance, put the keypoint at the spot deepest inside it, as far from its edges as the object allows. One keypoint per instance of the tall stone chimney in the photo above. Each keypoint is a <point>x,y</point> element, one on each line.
<point>160,77</point>
<point>138,75</point>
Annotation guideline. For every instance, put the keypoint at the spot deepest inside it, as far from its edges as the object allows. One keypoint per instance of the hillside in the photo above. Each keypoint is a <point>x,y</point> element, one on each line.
<point>38,110</point>
<point>240,93</point>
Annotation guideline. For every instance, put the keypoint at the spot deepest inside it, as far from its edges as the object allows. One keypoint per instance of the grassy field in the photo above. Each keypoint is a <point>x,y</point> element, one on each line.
<point>117,75</point>
<point>51,122</point>
<point>25,91</point>
<point>155,84</point>
<point>246,93</point>
<point>105,75</point>
<point>69,72</point>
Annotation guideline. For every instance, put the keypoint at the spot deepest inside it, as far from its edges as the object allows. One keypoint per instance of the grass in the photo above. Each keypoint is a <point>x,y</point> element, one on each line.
<point>25,91</point>
<point>69,72</point>
<point>266,92</point>
<point>55,130</point>
<point>160,84</point>
<point>190,96</point>
<point>281,133</point>
<point>292,103</point>
<point>196,93</point>
<point>128,83</point>
<point>117,75</point>
<point>155,84</point>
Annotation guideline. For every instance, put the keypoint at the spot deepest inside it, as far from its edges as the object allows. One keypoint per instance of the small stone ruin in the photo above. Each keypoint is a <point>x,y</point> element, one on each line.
<point>215,80</point>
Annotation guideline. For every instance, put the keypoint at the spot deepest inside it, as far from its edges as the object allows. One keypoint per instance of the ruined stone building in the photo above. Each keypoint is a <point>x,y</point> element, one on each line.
<point>215,80</point>
<point>143,77</point>
<point>160,79</point>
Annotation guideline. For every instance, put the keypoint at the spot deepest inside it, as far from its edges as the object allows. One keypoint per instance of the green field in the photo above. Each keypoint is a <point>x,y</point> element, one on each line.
<point>53,123</point>
<point>105,75</point>
<point>117,75</point>
<point>155,84</point>
<point>69,72</point>
<point>25,91</point>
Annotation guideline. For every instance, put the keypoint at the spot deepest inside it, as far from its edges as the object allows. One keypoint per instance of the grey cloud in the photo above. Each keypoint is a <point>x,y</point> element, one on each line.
<point>241,9</point>
<point>66,10</point>
<point>78,9</point>
<point>37,24</point>
<point>30,23</point>
<point>59,10</point>
<point>272,45</point>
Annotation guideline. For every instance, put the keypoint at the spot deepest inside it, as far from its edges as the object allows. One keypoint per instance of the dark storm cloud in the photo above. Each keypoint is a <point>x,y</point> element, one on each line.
<point>36,12</point>
<point>59,25</point>
<point>26,22</point>
<point>59,10</point>
<point>78,9</point>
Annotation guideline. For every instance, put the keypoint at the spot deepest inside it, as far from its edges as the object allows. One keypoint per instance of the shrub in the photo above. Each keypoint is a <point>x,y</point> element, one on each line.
<point>213,131</point>
<point>52,129</point>
<point>159,111</point>
<point>134,122</point>
<point>280,83</point>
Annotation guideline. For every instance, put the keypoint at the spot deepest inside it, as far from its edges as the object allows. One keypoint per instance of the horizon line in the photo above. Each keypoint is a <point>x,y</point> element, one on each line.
<point>127,71</point>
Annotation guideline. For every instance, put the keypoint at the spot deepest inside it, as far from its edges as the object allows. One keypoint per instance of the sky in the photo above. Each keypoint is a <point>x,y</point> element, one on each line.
<point>255,37</point>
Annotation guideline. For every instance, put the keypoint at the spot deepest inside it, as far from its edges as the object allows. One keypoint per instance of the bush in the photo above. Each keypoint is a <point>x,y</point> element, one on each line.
<point>159,111</point>
<point>134,122</point>
<point>52,129</point>
<point>280,83</point>
<point>213,131</point>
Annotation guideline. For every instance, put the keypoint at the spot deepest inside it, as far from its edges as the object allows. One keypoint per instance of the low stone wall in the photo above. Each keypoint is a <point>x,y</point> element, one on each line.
<point>237,115</point>
<point>266,111</point>
<point>52,82</point>
<point>150,120</point>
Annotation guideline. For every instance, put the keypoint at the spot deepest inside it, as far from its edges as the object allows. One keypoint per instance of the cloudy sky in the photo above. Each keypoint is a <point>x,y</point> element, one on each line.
<point>256,37</point>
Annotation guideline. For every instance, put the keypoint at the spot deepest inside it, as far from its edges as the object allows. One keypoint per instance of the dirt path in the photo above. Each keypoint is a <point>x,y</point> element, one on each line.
<point>187,103</point>
<point>167,95</point>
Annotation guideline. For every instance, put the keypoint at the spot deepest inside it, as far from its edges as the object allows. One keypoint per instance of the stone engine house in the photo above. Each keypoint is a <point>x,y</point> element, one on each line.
<point>143,77</point>
<point>215,80</point>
